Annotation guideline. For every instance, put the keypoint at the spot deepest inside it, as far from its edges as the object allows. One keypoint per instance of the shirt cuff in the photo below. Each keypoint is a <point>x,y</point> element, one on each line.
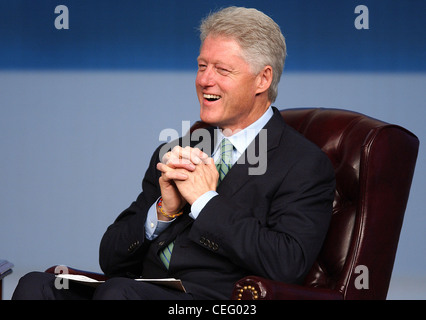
<point>153,226</point>
<point>200,203</point>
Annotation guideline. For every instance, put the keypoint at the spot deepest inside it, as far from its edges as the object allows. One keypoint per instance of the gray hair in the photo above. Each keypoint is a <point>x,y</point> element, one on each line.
<point>258,35</point>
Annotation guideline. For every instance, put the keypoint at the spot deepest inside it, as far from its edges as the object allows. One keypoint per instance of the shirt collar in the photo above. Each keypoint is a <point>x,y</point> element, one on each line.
<point>243,138</point>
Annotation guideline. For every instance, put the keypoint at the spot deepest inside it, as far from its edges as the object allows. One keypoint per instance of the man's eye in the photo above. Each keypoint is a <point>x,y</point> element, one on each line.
<point>223,71</point>
<point>202,67</point>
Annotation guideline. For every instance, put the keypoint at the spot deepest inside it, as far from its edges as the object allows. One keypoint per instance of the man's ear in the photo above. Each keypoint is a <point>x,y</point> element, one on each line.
<point>264,79</point>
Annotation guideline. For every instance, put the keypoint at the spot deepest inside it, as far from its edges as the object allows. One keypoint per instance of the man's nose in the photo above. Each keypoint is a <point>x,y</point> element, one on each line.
<point>205,78</point>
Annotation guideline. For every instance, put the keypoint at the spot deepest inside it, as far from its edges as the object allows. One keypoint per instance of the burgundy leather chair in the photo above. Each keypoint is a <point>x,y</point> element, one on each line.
<point>374,164</point>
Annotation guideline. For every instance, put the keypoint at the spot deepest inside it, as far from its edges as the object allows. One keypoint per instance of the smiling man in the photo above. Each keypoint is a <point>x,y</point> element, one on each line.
<point>202,216</point>
<point>231,94</point>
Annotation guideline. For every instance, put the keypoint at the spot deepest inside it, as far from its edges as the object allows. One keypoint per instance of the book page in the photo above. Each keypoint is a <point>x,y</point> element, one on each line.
<point>167,282</point>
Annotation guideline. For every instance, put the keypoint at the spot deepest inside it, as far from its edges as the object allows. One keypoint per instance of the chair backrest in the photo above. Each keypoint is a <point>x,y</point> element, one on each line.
<point>374,165</point>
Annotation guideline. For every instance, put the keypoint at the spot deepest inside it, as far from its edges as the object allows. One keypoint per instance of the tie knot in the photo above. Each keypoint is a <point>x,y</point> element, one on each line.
<point>226,148</point>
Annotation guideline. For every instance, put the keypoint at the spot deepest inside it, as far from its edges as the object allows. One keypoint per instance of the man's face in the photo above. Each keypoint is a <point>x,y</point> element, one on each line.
<point>226,87</point>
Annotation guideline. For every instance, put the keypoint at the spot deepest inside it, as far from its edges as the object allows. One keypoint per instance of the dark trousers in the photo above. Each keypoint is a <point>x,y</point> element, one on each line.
<point>41,286</point>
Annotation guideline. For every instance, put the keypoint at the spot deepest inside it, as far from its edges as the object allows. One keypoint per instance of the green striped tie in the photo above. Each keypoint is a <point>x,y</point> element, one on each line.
<point>166,254</point>
<point>224,163</point>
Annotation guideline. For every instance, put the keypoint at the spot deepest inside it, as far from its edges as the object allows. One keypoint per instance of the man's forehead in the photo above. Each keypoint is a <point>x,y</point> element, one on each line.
<point>220,49</point>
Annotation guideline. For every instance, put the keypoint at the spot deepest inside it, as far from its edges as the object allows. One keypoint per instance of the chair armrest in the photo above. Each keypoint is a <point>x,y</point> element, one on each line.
<point>94,275</point>
<point>257,288</point>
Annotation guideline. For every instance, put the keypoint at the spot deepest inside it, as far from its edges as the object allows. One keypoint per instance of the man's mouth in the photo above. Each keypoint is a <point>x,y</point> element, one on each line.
<point>211,97</point>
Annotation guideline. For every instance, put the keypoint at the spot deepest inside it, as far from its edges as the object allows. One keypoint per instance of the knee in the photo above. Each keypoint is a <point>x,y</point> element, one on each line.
<point>32,286</point>
<point>113,289</point>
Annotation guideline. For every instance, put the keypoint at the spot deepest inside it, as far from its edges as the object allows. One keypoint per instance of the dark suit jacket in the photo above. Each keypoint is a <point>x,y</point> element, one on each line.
<point>271,225</point>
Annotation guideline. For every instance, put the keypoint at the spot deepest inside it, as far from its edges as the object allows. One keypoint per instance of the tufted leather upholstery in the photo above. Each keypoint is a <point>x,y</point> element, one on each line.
<point>374,165</point>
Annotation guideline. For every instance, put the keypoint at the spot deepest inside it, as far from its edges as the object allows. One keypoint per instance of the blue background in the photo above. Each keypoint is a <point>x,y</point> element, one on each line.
<point>81,110</point>
<point>162,35</point>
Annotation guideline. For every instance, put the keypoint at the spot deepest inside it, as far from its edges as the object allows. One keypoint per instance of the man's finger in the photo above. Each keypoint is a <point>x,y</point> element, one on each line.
<point>170,173</point>
<point>181,164</point>
<point>195,155</point>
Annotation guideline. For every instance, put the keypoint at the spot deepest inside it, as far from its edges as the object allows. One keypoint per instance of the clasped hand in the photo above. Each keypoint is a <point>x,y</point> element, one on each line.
<point>186,174</point>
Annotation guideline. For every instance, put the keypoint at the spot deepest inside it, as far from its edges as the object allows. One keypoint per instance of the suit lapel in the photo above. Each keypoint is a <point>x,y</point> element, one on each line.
<point>204,138</point>
<point>240,171</point>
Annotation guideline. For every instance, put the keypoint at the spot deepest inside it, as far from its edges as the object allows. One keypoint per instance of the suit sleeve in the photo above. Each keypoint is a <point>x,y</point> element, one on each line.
<point>124,244</point>
<point>284,245</point>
